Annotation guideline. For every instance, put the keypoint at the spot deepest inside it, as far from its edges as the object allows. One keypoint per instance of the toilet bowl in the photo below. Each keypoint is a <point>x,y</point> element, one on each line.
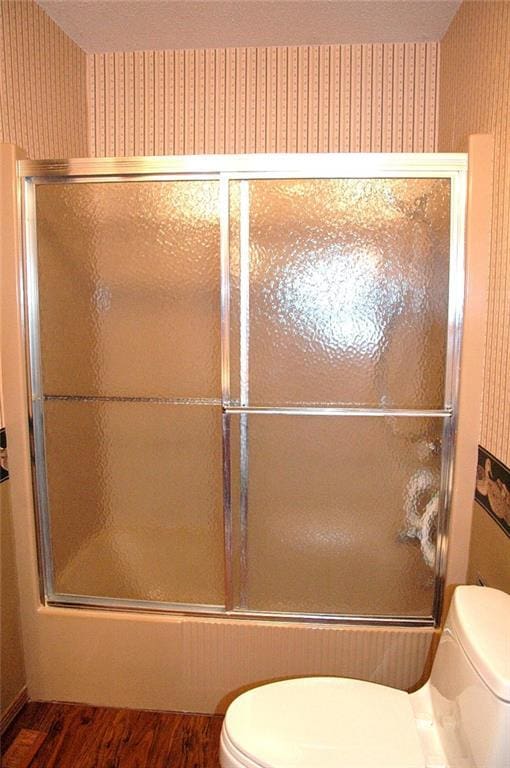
<point>303,723</point>
<point>459,719</point>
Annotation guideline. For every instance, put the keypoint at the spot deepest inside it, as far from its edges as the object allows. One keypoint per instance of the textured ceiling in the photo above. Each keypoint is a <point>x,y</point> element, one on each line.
<point>126,25</point>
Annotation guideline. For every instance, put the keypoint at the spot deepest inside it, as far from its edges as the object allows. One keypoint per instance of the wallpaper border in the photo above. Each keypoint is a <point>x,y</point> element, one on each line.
<point>493,488</point>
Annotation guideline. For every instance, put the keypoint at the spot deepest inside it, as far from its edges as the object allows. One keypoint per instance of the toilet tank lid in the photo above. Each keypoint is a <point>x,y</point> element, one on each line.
<point>480,618</point>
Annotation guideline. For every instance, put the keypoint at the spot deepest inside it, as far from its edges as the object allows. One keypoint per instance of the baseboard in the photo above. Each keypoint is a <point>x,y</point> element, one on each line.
<point>13,710</point>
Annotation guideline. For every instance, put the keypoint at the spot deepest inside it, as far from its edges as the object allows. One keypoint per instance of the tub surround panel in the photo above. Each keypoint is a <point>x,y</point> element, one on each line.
<point>200,665</point>
<point>236,656</point>
<point>42,84</point>
<point>327,98</point>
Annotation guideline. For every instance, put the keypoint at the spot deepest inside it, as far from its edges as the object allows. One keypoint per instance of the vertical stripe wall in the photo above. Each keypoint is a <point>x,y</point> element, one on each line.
<point>56,101</point>
<point>42,84</point>
<point>475,98</point>
<point>328,98</point>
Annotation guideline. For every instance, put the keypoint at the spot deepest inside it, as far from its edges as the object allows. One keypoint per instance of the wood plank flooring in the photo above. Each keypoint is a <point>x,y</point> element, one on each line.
<point>23,749</point>
<point>53,735</point>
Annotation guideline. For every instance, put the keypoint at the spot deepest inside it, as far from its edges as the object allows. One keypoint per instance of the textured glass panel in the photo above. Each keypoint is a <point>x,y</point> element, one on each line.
<point>341,514</point>
<point>129,288</point>
<point>348,291</point>
<point>135,494</point>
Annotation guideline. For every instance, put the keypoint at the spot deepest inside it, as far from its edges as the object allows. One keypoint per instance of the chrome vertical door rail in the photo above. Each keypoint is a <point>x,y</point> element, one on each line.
<point>244,289</point>
<point>244,356</point>
<point>225,385</point>
<point>35,391</point>
<point>458,196</point>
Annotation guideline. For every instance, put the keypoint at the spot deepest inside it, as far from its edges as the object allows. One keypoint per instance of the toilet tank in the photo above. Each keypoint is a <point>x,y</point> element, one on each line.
<point>469,687</point>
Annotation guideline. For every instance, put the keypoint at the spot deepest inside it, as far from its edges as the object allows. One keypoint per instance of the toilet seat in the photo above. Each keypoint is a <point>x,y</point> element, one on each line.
<point>321,722</point>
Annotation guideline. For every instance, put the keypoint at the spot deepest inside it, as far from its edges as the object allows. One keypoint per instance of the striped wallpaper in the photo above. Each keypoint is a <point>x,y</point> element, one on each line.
<point>56,101</point>
<point>42,84</point>
<point>475,97</point>
<point>328,98</point>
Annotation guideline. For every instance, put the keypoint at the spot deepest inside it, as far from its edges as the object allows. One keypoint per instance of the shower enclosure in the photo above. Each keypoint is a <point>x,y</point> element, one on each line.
<point>243,381</point>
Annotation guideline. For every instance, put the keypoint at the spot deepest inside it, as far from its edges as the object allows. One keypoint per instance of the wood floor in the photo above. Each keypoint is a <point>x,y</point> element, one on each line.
<point>52,735</point>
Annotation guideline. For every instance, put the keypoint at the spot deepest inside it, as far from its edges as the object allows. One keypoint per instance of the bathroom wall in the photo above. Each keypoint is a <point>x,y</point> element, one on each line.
<point>489,555</point>
<point>163,661</point>
<point>380,98</point>
<point>475,98</point>
<point>42,84</point>
<point>43,111</point>
<point>317,98</point>
<point>328,98</point>
<point>308,98</point>
<point>12,665</point>
<point>12,679</point>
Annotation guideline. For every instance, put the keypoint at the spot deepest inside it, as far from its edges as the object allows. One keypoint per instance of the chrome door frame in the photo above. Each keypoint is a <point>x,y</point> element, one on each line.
<point>225,168</point>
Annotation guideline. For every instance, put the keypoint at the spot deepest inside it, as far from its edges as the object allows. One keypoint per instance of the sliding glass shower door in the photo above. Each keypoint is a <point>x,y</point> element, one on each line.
<point>243,383</point>
<point>341,320</point>
<point>129,304</point>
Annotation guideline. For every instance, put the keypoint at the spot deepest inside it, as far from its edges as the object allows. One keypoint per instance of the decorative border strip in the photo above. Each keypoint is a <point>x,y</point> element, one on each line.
<point>4,472</point>
<point>493,488</point>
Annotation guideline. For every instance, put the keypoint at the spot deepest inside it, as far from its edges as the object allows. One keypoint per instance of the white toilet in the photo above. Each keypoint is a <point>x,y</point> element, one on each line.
<point>459,719</point>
